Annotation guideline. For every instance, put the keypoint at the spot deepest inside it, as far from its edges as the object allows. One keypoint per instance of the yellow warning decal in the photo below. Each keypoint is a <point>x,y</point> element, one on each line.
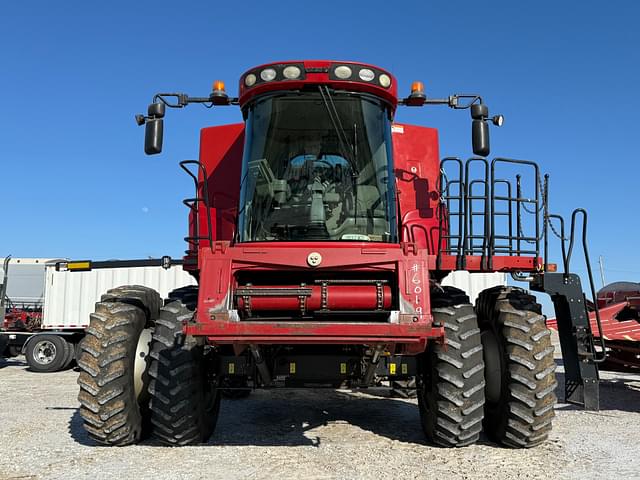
<point>405,369</point>
<point>292,367</point>
<point>232,368</point>
<point>392,369</point>
<point>343,368</point>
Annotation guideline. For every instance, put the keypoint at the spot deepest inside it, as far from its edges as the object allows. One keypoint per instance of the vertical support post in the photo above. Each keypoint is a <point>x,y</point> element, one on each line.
<point>576,341</point>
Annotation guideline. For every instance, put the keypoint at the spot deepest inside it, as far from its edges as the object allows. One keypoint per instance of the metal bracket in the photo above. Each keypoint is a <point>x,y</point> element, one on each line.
<point>576,340</point>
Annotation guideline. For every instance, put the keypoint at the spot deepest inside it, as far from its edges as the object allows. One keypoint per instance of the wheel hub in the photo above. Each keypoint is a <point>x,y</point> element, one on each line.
<point>44,352</point>
<point>140,361</point>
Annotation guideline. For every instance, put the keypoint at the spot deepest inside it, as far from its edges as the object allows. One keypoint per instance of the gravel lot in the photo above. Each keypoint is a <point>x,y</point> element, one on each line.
<point>316,434</point>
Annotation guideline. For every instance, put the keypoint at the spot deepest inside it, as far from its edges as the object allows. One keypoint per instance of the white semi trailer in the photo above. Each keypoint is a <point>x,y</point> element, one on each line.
<point>61,302</point>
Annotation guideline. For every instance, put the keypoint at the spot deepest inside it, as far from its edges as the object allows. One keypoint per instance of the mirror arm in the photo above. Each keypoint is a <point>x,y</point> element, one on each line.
<point>181,100</point>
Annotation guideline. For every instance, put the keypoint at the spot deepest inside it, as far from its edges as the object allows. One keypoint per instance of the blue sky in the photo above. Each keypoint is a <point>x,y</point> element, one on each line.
<point>75,181</point>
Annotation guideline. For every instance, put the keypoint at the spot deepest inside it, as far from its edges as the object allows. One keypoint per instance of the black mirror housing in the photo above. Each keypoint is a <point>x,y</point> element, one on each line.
<point>480,137</point>
<point>153,133</point>
<point>156,110</point>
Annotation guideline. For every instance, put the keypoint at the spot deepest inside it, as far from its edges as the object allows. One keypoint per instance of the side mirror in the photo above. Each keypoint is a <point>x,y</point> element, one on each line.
<point>480,129</point>
<point>480,137</point>
<point>153,136</point>
<point>154,127</point>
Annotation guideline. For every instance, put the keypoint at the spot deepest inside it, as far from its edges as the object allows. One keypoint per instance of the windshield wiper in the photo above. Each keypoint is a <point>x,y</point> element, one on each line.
<point>347,151</point>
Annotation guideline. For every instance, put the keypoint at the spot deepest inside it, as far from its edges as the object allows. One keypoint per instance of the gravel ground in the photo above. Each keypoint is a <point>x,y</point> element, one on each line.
<point>319,434</point>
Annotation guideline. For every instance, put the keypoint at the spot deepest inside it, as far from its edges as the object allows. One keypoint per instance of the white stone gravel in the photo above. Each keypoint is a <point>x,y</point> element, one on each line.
<point>319,434</point>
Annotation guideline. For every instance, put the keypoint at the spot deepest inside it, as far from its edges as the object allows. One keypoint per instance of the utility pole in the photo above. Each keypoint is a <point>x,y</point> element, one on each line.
<point>601,262</point>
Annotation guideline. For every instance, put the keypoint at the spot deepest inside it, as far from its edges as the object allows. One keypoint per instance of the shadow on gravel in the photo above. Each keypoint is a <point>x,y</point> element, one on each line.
<point>77,431</point>
<point>615,394</point>
<point>12,362</point>
<point>287,417</point>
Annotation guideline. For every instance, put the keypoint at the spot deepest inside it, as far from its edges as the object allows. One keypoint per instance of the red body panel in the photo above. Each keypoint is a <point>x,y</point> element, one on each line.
<point>417,168</point>
<point>217,315</point>
<point>221,155</point>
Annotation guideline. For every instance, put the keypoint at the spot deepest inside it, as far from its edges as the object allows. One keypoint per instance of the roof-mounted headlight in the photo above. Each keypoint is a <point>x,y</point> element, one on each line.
<point>385,80</point>
<point>250,80</point>
<point>343,72</point>
<point>268,74</point>
<point>291,72</point>
<point>366,75</point>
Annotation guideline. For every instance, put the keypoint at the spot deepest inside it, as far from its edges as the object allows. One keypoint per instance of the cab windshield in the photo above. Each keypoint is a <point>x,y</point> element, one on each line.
<point>317,166</point>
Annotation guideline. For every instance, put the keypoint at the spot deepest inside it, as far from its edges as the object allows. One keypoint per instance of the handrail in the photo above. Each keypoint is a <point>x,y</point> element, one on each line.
<point>589,274</point>
<point>205,190</point>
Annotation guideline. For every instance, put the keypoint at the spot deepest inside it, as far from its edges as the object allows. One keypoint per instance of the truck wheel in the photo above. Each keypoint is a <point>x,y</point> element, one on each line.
<point>114,366</point>
<point>46,353</point>
<point>70,347</point>
<point>451,377</point>
<point>520,376</point>
<point>184,400</point>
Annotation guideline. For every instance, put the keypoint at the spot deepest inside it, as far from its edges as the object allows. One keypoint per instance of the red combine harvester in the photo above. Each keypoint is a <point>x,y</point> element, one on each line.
<point>319,233</point>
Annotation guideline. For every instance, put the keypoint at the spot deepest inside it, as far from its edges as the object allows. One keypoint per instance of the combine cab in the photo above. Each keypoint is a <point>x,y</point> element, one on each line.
<point>319,233</point>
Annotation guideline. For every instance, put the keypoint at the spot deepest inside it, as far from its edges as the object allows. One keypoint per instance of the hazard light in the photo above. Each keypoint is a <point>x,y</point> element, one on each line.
<point>218,95</point>
<point>417,98</point>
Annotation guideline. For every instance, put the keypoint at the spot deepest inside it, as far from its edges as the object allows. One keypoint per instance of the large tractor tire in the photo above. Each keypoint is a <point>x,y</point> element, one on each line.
<point>114,366</point>
<point>451,379</point>
<point>520,378</point>
<point>184,398</point>
<point>47,353</point>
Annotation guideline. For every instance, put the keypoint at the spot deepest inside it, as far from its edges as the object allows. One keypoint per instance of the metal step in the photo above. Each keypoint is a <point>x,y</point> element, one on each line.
<point>576,338</point>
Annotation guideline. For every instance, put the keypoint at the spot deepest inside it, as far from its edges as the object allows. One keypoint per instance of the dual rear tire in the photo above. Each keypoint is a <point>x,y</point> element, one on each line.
<point>451,376</point>
<point>520,369</point>
<point>495,371</point>
<point>140,376</point>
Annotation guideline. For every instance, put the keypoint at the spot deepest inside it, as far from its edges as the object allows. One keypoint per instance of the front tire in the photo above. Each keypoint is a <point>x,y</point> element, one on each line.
<point>520,367</point>
<point>184,398</point>
<point>451,381</point>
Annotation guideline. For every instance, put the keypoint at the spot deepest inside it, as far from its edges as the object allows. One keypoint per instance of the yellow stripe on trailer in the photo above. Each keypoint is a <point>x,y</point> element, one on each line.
<point>82,265</point>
